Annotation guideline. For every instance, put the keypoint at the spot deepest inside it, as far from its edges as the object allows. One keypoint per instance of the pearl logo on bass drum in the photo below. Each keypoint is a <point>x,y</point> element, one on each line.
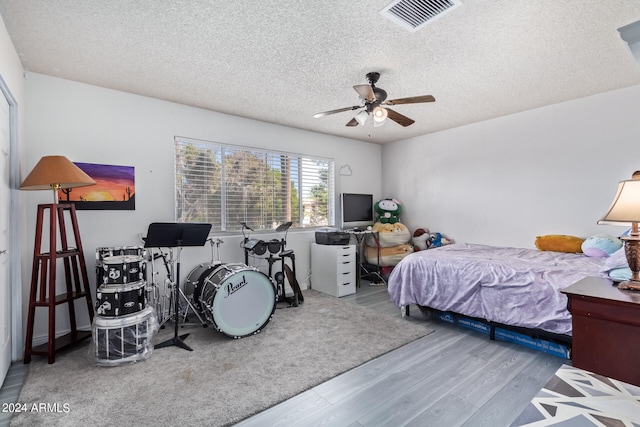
<point>231,288</point>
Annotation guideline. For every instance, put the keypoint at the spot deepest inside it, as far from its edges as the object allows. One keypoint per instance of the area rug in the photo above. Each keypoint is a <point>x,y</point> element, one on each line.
<point>575,397</point>
<point>221,381</point>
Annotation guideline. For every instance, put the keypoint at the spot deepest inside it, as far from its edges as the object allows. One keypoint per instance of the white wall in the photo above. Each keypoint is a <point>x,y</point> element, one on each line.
<point>11,73</point>
<point>504,181</point>
<point>96,125</point>
<point>553,170</point>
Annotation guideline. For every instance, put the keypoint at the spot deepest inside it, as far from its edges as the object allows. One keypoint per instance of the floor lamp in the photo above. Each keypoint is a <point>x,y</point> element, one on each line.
<point>54,173</point>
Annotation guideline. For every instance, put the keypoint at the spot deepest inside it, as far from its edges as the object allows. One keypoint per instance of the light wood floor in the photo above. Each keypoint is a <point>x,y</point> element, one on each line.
<point>452,377</point>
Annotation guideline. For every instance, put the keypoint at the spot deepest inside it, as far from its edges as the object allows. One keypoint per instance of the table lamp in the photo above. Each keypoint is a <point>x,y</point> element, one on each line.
<point>625,210</point>
<point>54,173</point>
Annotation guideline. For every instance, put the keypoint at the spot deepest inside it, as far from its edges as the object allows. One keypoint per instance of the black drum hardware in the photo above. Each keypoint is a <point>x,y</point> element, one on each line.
<point>163,293</point>
<point>277,252</point>
<point>176,235</point>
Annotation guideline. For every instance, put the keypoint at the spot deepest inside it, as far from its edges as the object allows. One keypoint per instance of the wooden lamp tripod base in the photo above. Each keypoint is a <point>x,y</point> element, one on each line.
<point>43,280</point>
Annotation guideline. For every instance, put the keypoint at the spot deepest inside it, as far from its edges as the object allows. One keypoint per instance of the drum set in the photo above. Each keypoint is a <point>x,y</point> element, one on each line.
<point>124,325</point>
<point>133,302</point>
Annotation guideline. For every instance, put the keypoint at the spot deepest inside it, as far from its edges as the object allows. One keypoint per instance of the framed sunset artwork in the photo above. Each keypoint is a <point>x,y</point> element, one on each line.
<point>114,190</point>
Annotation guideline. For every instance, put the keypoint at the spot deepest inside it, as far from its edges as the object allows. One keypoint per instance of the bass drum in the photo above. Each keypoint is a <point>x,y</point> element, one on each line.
<point>238,300</point>
<point>195,279</point>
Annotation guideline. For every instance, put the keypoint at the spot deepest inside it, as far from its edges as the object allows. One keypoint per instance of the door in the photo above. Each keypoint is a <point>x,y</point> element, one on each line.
<point>5,209</point>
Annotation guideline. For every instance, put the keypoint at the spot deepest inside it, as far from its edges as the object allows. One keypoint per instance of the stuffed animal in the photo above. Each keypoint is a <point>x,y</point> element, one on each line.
<point>387,211</point>
<point>421,239</point>
<point>392,240</point>
<point>559,243</point>
<point>389,235</point>
<point>437,240</point>
<point>600,245</point>
<point>389,257</point>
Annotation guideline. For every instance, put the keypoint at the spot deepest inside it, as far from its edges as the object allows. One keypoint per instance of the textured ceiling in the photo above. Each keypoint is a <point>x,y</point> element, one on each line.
<point>283,61</point>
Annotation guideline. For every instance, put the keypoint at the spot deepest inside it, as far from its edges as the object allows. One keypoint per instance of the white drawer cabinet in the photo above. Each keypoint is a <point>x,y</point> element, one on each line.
<point>333,269</point>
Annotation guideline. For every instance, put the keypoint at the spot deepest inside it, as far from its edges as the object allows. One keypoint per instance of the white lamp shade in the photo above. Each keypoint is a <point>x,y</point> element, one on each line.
<point>625,207</point>
<point>362,117</point>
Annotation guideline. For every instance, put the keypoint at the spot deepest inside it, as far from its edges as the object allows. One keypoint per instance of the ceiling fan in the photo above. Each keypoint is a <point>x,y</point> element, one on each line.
<point>375,103</point>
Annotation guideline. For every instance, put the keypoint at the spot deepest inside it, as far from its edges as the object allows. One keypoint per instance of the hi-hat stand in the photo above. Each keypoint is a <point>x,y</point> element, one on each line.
<point>176,235</point>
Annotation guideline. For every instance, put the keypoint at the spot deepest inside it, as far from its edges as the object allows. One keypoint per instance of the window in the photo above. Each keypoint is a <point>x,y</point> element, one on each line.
<point>225,185</point>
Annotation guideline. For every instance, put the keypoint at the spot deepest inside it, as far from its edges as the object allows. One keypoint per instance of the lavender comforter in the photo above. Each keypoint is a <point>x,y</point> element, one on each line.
<point>512,286</point>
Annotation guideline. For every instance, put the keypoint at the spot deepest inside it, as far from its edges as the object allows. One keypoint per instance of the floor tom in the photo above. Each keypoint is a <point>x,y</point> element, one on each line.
<point>122,300</point>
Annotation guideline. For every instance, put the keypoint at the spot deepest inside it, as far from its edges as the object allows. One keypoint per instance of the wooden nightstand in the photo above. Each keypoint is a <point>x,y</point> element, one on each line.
<point>606,329</point>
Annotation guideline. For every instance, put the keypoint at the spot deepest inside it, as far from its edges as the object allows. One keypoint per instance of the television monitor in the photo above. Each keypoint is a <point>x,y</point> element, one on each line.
<point>356,210</point>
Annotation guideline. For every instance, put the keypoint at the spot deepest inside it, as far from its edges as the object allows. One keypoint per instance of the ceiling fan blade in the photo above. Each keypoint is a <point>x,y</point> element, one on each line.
<point>352,122</point>
<point>339,110</point>
<point>399,118</point>
<point>365,92</point>
<point>411,100</point>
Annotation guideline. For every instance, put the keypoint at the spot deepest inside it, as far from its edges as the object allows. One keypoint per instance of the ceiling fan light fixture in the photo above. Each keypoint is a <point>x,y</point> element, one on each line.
<point>377,124</point>
<point>380,114</point>
<point>362,117</point>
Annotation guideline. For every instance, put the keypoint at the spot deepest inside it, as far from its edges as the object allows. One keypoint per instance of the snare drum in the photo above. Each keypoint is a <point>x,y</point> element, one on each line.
<point>237,299</point>
<point>122,300</point>
<point>123,269</point>
<point>102,253</point>
<point>124,339</point>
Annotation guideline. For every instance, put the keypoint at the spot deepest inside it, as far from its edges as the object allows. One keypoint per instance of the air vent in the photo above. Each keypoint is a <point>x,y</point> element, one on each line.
<point>415,14</point>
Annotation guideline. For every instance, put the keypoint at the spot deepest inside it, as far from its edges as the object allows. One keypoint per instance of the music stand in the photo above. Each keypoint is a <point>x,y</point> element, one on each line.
<point>176,235</point>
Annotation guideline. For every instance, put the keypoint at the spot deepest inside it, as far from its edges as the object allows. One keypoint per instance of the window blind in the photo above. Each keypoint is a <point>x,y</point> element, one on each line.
<point>225,185</point>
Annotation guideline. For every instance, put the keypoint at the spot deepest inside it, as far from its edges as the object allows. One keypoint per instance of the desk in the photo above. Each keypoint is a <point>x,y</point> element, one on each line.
<point>606,329</point>
<point>369,274</point>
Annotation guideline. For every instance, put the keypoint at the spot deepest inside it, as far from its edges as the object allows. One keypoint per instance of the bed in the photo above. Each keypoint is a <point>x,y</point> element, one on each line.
<point>516,288</point>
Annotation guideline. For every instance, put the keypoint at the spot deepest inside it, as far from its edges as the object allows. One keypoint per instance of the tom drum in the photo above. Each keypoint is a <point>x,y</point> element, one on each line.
<point>122,269</point>
<point>102,253</point>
